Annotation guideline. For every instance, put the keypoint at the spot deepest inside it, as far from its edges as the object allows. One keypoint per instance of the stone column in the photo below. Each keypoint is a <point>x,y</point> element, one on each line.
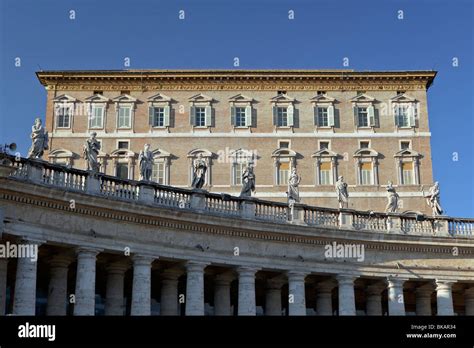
<point>141,288</point>
<point>324,297</point>
<point>346,295</point>
<point>114,296</point>
<point>24,301</point>
<point>169,292</point>
<point>396,302</point>
<point>195,288</point>
<point>273,297</point>
<point>57,288</point>
<point>444,297</point>
<point>222,294</point>
<point>469,300</point>
<point>85,281</point>
<point>3,285</point>
<point>374,299</point>
<point>423,299</point>
<point>246,303</point>
<point>296,293</point>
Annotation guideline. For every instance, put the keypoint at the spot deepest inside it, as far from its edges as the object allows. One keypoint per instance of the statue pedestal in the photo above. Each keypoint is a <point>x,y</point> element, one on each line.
<point>346,219</point>
<point>198,199</point>
<point>394,223</point>
<point>92,183</point>
<point>35,170</point>
<point>297,214</point>
<point>441,226</point>
<point>146,193</point>
<point>248,208</point>
<point>6,169</point>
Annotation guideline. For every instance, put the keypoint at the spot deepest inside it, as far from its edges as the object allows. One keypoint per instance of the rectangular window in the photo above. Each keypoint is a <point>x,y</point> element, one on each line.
<point>97,116</point>
<point>405,145</point>
<point>324,145</point>
<point>401,112</point>
<point>121,170</point>
<point>282,117</point>
<point>407,173</point>
<point>284,144</point>
<point>323,117</point>
<point>124,117</point>
<point>283,173</point>
<point>240,117</point>
<point>364,144</point>
<point>122,145</point>
<point>200,113</point>
<point>63,114</point>
<point>158,172</point>
<point>238,170</point>
<point>325,173</point>
<point>363,117</point>
<point>366,174</point>
<point>158,119</point>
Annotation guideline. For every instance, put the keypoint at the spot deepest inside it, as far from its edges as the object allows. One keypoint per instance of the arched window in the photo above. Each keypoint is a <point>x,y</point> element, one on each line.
<point>367,166</point>
<point>284,160</point>
<point>161,167</point>
<point>207,157</point>
<point>239,160</point>
<point>326,166</point>
<point>124,163</point>
<point>408,163</point>
<point>62,157</point>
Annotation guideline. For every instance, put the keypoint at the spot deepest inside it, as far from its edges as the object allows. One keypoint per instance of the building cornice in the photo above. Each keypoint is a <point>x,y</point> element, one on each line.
<point>271,80</point>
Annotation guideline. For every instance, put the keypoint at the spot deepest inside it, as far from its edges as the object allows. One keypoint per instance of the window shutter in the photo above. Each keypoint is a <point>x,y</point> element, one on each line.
<point>166,118</point>
<point>150,115</point>
<point>331,116</point>
<point>232,116</point>
<point>411,116</point>
<point>290,114</point>
<point>371,115</point>
<point>208,116</point>
<point>275,121</point>
<point>396,112</point>
<point>192,116</point>
<point>248,116</point>
<point>356,116</point>
<point>316,121</point>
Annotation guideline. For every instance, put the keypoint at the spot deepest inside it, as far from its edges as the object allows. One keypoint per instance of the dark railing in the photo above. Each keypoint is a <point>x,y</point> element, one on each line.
<point>63,177</point>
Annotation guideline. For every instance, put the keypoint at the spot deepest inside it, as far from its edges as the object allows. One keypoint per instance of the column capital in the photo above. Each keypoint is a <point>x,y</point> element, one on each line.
<point>275,283</point>
<point>142,260</point>
<point>375,289</point>
<point>296,275</point>
<point>444,284</point>
<point>117,267</point>
<point>343,279</point>
<point>393,282</point>
<point>245,270</point>
<point>60,261</point>
<point>30,240</point>
<point>224,278</point>
<point>424,290</point>
<point>89,251</point>
<point>196,266</point>
<point>326,286</point>
<point>171,274</point>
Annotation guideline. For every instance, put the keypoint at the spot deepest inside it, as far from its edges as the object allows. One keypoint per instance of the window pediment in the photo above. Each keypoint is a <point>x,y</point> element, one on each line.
<point>403,98</point>
<point>325,153</point>
<point>282,98</point>
<point>323,99</point>
<point>407,153</point>
<point>196,152</point>
<point>125,98</point>
<point>363,98</point>
<point>159,97</point>
<point>201,98</point>
<point>366,152</point>
<point>283,153</point>
<point>97,98</point>
<point>241,154</point>
<point>64,98</point>
<point>240,98</point>
<point>122,153</point>
<point>160,153</point>
<point>61,153</point>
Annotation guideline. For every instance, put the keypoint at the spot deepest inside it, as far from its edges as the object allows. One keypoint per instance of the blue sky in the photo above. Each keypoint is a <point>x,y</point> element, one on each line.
<point>213,32</point>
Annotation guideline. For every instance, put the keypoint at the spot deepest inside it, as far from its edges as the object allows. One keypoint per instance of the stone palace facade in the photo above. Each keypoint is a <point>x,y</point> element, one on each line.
<point>109,244</point>
<point>370,127</point>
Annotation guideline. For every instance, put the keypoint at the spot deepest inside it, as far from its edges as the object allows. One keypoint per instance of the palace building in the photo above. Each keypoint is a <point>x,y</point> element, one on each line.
<point>78,242</point>
<point>370,127</point>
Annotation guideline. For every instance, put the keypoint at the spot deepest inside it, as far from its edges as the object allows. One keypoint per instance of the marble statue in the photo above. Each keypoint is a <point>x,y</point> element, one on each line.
<point>145,159</point>
<point>342,193</point>
<point>433,200</point>
<point>199,175</point>
<point>39,139</point>
<point>392,196</point>
<point>91,151</point>
<point>293,189</point>
<point>248,181</point>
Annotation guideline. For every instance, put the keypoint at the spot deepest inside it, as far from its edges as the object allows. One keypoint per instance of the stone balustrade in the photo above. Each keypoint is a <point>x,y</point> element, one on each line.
<point>45,173</point>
